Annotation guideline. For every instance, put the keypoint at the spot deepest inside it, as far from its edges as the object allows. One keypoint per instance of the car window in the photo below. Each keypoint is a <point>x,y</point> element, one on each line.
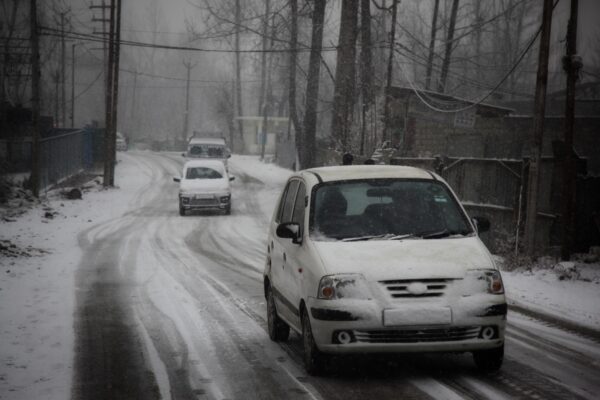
<point>299,205</point>
<point>196,150</point>
<point>385,207</point>
<point>282,202</point>
<point>288,205</point>
<point>202,173</point>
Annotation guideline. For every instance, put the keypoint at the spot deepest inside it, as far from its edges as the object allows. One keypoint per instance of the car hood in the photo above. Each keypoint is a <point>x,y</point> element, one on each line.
<point>405,259</point>
<point>204,185</point>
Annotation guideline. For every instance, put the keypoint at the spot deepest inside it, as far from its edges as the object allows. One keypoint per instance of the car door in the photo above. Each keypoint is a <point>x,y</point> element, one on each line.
<point>279,280</point>
<point>294,256</point>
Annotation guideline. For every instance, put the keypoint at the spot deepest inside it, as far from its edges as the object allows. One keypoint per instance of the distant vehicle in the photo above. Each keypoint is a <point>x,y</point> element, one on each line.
<point>211,148</point>
<point>381,259</point>
<point>204,185</point>
<point>121,142</point>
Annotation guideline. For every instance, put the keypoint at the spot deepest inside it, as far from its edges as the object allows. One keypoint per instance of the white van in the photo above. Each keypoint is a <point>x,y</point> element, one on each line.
<point>208,148</point>
<point>381,259</point>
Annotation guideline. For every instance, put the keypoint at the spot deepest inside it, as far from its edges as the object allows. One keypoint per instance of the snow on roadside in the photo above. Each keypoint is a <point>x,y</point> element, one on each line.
<point>567,290</point>
<point>37,285</point>
<point>273,176</point>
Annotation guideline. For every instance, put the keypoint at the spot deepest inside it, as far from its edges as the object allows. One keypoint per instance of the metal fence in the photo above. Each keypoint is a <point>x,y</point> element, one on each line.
<point>63,155</point>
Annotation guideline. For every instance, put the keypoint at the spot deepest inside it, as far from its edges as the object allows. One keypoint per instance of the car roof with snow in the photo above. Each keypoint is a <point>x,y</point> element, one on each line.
<point>214,141</point>
<point>350,172</point>
<point>214,164</point>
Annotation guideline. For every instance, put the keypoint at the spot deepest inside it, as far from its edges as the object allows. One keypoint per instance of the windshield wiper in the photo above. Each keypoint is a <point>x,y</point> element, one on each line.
<point>442,234</point>
<point>367,237</point>
<point>404,236</point>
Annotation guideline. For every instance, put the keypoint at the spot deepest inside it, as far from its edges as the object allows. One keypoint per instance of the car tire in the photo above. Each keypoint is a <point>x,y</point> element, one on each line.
<point>228,210</point>
<point>181,211</point>
<point>279,331</point>
<point>489,360</point>
<point>314,359</point>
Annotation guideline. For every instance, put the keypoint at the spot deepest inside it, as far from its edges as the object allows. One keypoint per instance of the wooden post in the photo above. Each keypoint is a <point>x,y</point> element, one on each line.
<point>571,64</point>
<point>538,129</point>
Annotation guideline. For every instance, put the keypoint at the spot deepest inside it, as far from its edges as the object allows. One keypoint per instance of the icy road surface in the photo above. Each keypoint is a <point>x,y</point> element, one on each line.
<point>173,307</point>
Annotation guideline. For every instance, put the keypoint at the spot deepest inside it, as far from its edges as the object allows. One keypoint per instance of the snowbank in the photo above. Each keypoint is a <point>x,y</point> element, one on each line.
<point>37,282</point>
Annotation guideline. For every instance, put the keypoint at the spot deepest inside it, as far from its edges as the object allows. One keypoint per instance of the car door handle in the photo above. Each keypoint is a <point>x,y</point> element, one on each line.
<point>284,257</point>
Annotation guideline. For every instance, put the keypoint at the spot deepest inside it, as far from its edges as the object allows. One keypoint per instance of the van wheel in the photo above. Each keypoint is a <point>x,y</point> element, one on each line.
<point>279,331</point>
<point>314,360</point>
<point>489,360</point>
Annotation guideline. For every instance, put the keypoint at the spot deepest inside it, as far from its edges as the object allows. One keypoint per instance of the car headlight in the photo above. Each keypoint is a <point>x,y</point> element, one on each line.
<point>343,286</point>
<point>483,280</point>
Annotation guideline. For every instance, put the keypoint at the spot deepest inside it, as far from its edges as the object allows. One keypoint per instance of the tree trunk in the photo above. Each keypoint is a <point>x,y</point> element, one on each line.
<point>388,86</point>
<point>366,68</point>
<point>307,152</point>
<point>238,73</point>
<point>449,43</point>
<point>292,75</point>
<point>264,92</point>
<point>343,98</point>
<point>436,8</point>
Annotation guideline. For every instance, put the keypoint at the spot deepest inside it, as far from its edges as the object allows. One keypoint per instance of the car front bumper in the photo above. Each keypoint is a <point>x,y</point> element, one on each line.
<point>217,201</point>
<point>365,330</point>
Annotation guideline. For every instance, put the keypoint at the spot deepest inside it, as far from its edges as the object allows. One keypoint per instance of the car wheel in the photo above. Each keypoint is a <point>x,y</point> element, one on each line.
<point>228,210</point>
<point>313,358</point>
<point>489,360</point>
<point>181,211</point>
<point>279,331</point>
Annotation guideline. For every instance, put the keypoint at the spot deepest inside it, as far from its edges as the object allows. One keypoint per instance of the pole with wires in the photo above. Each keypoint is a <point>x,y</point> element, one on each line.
<point>538,130</point>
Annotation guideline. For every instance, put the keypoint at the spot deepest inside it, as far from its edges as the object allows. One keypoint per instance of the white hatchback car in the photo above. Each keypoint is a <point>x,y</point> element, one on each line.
<point>381,259</point>
<point>204,185</point>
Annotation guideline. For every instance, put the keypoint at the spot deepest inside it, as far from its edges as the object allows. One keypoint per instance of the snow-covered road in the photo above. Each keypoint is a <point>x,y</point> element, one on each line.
<point>173,307</point>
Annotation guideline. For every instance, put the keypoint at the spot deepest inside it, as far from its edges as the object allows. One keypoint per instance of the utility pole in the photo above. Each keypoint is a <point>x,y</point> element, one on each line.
<point>108,179</point>
<point>388,86</point>
<point>538,129</point>
<point>186,115</point>
<point>35,100</point>
<point>571,64</point>
<point>115,96</point>
<point>73,85</point>
<point>63,70</point>
<point>133,104</point>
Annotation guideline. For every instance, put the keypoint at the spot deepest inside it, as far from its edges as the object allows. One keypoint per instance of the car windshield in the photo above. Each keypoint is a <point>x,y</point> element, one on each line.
<point>206,151</point>
<point>202,173</point>
<point>385,209</point>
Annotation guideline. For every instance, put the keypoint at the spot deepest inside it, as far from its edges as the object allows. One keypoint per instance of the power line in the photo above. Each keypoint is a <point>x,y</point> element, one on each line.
<point>496,87</point>
<point>92,38</point>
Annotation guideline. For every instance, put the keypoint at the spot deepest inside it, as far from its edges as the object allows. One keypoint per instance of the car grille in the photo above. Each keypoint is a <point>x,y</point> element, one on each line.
<point>399,288</point>
<point>204,202</point>
<point>417,335</point>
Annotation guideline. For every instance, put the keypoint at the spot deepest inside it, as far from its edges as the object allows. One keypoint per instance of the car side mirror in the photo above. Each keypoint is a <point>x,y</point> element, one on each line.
<point>289,230</point>
<point>232,178</point>
<point>175,179</point>
<point>482,224</point>
<point>182,154</point>
<point>228,155</point>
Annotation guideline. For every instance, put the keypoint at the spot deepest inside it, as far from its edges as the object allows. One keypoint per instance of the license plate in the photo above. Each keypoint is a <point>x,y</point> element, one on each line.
<point>412,315</point>
<point>203,196</point>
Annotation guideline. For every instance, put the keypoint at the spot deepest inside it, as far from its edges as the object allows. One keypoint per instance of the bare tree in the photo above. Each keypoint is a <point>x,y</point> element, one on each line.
<point>345,81</point>
<point>308,143</point>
